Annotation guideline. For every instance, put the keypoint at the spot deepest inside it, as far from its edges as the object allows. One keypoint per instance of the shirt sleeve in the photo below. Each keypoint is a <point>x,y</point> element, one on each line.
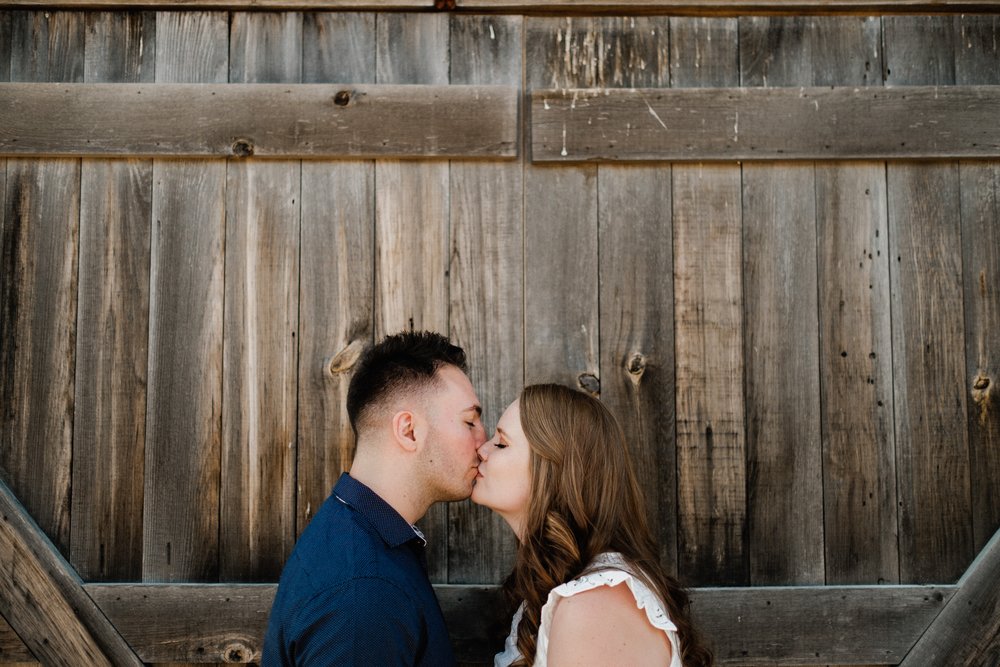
<point>368,621</point>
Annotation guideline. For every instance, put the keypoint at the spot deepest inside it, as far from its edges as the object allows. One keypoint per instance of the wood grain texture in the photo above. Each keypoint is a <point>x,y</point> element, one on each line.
<point>12,649</point>
<point>38,330</point>
<point>671,7</point>
<point>783,385</point>
<point>859,463</point>
<point>260,120</point>
<point>42,597</point>
<point>967,631</point>
<point>561,310</point>
<point>336,298</point>
<point>184,396</point>
<point>412,229</point>
<point>708,317</point>
<point>977,60</point>
<point>637,333</point>
<point>486,285</point>
<point>38,324</point>
<point>873,624</point>
<point>112,323</point>
<point>635,243</point>
<point>260,367</point>
<point>925,254</point>
<point>764,124</point>
<point>209,623</point>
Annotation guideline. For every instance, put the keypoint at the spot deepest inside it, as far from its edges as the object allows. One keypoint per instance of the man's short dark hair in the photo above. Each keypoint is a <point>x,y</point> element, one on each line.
<point>399,363</point>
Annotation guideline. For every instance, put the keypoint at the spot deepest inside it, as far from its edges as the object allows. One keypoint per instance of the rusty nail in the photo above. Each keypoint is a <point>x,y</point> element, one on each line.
<point>242,148</point>
<point>342,98</point>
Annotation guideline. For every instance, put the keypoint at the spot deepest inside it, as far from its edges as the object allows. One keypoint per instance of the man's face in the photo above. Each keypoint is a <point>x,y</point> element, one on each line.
<point>455,432</point>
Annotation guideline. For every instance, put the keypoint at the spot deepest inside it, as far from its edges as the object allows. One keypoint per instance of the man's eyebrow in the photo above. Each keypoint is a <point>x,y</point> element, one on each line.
<point>477,408</point>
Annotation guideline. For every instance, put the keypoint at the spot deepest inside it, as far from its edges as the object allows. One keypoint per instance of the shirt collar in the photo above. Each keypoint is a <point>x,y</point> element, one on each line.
<point>390,525</point>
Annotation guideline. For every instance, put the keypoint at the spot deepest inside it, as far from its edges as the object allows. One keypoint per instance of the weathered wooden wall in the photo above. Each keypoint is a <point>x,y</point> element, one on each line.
<point>804,354</point>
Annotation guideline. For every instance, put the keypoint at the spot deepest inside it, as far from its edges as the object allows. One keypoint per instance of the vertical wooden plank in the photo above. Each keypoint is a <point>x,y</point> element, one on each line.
<point>184,395</point>
<point>977,61</point>
<point>336,267</point>
<point>708,293</point>
<point>39,298</point>
<point>855,334</point>
<point>5,22</point>
<point>260,351</point>
<point>113,316</point>
<point>635,240</point>
<point>785,496</point>
<point>925,251</point>
<point>560,218</point>
<point>411,220</point>
<point>786,453</point>
<point>856,370</point>
<point>486,284</point>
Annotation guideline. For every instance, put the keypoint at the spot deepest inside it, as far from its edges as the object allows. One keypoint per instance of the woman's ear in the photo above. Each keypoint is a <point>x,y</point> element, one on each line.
<point>404,431</point>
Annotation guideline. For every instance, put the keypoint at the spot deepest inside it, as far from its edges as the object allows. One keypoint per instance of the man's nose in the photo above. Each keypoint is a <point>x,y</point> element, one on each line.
<point>481,451</point>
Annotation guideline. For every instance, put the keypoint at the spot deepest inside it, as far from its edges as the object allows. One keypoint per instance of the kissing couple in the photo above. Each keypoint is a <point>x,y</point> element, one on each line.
<point>587,582</point>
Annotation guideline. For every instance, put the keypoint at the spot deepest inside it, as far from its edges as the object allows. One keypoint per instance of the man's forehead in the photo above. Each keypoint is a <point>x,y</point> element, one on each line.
<point>457,385</point>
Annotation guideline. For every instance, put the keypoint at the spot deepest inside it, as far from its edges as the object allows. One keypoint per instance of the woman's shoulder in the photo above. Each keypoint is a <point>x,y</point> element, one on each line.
<point>606,624</point>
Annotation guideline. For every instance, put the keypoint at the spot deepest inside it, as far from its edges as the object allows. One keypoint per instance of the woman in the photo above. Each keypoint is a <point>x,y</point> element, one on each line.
<point>558,471</point>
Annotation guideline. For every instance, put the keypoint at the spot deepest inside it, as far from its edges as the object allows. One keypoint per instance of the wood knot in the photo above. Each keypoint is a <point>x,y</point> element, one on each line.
<point>237,652</point>
<point>636,366</point>
<point>342,98</point>
<point>242,148</point>
<point>344,360</point>
<point>981,396</point>
<point>589,383</point>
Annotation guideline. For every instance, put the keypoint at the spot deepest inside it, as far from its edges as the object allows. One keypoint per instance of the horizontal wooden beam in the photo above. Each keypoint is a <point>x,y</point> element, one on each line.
<point>701,124</point>
<point>260,120</point>
<point>797,625</point>
<point>43,600</point>
<point>674,7</point>
<point>967,631</point>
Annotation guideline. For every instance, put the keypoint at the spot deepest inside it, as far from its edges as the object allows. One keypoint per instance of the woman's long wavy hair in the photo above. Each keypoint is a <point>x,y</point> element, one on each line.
<point>584,501</point>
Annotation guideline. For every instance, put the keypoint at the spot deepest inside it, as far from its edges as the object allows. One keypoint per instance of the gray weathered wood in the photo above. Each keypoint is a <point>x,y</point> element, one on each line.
<point>637,332</point>
<point>708,316</point>
<point>977,60</point>
<point>764,124</point>
<point>561,310</point>
<point>39,252</point>
<point>930,386</point>
<point>411,220</point>
<point>336,274</point>
<point>635,241</point>
<point>723,7</point>
<point>112,325</point>
<point>779,625</point>
<point>859,469</point>
<point>42,597</point>
<point>184,395</point>
<point>486,284</point>
<point>12,649</point>
<point>263,120</point>
<point>260,357</point>
<point>784,460</point>
<point>967,631</point>
<point>194,623</point>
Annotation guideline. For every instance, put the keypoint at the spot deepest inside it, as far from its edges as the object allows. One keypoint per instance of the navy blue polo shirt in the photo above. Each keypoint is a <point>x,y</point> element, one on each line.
<point>355,590</point>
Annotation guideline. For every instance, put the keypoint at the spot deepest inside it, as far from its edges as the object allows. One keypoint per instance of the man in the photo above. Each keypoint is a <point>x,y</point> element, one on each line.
<point>355,589</point>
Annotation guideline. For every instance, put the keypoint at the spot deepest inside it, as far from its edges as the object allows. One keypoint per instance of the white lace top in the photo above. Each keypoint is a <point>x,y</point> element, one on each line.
<point>612,570</point>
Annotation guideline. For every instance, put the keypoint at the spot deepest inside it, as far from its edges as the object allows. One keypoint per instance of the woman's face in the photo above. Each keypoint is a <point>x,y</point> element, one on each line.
<point>504,480</point>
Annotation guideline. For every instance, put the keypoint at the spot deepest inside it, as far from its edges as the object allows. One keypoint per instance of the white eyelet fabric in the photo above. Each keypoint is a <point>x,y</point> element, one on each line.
<point>608,569</point>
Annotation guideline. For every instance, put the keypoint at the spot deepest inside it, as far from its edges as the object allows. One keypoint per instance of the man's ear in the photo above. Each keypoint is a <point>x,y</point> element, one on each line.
<point>404,430</point>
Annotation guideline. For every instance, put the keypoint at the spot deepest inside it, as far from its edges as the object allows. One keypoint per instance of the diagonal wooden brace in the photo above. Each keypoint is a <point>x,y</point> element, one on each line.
<point>43,599</point>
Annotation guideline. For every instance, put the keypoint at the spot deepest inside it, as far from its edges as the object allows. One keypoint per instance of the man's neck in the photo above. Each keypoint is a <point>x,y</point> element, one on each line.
<point>384,478</point>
